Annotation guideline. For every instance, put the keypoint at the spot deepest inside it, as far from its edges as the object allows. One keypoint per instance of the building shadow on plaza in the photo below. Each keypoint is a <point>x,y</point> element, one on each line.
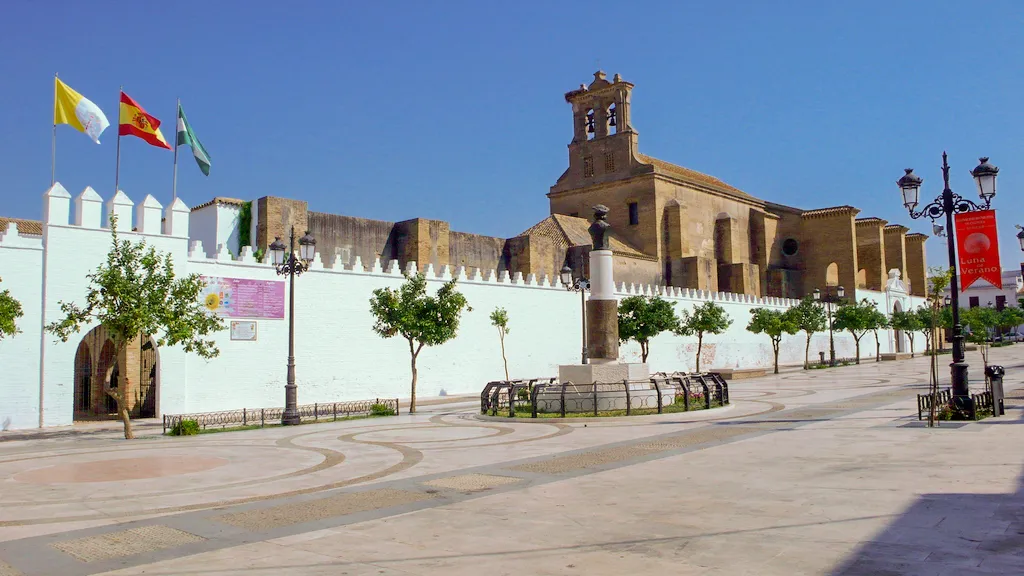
<point>939,534</point>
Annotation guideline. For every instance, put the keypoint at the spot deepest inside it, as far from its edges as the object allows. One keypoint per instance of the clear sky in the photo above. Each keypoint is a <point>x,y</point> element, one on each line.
<point>454,110</point>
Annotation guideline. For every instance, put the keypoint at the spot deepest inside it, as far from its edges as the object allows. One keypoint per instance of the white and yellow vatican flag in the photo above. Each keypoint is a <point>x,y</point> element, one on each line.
<point>77,111</point>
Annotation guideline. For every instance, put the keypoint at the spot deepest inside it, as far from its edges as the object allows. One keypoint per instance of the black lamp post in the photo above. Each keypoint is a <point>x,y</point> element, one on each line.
<point>291,266</point>
<point>579,285</point>
<point>948,204</point>
<point>829,300</point>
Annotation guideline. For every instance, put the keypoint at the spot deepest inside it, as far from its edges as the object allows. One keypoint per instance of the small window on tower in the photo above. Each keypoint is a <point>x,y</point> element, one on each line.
<point>588,167</point>
<point>634,214</point>
<point>609,162</point>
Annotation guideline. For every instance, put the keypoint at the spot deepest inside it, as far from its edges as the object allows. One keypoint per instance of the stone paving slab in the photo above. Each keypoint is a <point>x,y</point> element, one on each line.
<point>811,474</point>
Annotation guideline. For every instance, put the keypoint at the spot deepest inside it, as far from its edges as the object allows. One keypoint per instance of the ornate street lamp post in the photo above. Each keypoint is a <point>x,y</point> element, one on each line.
<point>829,300</point>
<point>579,285</point>
<point>948,204</point>
<point>291,266</point>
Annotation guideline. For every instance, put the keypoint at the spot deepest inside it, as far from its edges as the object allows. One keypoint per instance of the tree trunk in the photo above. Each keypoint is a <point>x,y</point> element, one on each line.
<point>501,336</point>
<point>700,343</point>
<point>878,348</point>
<point>856,342</point>
<point>775,348</point>
<point>807,352</point>
<point>909,336</point>
<point>412,395</point>
<point>643,351</point>
<point>121,396</point>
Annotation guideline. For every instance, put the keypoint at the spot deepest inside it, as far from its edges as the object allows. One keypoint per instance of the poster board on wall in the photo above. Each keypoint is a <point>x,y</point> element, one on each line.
<point>243,298</point>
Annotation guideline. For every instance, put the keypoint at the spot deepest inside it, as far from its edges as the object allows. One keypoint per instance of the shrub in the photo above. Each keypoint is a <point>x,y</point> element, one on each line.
<point>381,410</point>
<point>185,428</point>
<point>523,394</point>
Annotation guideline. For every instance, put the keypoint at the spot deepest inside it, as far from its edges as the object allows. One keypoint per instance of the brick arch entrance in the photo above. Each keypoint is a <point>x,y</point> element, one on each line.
<point>97,371</point>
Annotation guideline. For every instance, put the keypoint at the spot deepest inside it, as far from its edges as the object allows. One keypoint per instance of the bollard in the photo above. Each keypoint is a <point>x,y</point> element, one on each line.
<point>995,375</point>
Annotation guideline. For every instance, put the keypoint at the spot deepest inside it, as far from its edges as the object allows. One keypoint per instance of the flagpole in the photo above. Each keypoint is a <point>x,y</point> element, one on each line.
<point>53,141</point>
<point>174,184</point>
<point>117,169</point>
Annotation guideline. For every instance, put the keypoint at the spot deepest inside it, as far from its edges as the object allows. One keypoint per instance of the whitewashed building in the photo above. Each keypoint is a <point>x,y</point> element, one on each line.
<point>338,356</point>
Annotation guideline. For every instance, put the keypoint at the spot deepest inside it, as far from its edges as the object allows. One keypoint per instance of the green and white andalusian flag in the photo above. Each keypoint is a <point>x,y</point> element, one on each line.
<point>187,136</point>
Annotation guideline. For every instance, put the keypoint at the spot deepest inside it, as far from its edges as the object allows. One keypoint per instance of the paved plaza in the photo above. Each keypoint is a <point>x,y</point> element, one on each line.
<point>819,472</point>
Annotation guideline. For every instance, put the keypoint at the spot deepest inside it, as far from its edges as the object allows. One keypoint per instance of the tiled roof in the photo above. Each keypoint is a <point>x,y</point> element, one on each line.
<point>917,236</point>
<point>692,176</point>
<point>33,227</point>
<point>870,220</point>
<point>832,211</point>
<point>895,228</point>
<point>219,200</point>
<point>566,231</point>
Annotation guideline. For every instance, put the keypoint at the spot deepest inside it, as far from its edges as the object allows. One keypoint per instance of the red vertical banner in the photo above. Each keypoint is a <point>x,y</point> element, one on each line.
<point>977,245</point>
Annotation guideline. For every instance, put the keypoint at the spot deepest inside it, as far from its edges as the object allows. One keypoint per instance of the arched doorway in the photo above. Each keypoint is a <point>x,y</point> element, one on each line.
<point>109,375</point>
<point>897,307</point>
<point>83,380</point>
<point>145,399</point>
<point>99,369</point>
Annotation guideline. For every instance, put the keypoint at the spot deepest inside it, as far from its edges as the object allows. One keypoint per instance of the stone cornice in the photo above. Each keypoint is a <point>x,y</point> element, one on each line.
<point>896,228</point>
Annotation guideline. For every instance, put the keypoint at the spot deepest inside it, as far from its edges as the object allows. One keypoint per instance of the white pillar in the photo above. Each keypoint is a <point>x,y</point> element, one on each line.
<point>602,284</point>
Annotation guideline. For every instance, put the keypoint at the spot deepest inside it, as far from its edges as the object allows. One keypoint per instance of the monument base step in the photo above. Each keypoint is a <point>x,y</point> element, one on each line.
<point>602,373</point>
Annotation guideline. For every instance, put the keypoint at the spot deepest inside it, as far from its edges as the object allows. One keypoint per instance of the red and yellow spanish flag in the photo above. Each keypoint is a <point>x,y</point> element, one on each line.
<point>136,122</point>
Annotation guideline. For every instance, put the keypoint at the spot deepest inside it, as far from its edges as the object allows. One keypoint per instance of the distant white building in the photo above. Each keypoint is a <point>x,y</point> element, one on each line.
<point>983,293</point>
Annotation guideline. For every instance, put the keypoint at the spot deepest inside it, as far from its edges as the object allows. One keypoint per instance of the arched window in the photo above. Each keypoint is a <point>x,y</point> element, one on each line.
<point>832,274</point>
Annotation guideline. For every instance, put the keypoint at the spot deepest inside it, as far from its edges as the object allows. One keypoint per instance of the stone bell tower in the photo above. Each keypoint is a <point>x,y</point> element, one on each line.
<point>604,142</point>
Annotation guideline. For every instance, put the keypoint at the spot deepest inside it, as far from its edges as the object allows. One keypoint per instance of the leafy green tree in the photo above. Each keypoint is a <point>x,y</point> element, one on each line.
<point>927,315</point>
<point>499,319</point>
<point>134,294</point>
<point>642,318</point>
<point>809,317</point>
<point>879,321</point>
<point>910,322</point>
<point>978,321</point>
<point>774,323</point>
<point>10,310</point>
<point>421,319</point>
<point>856,318</point>
<point>708,318</point>
<point>1010,318</point>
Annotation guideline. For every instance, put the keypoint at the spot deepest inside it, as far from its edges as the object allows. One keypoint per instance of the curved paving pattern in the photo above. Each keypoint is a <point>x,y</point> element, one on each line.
<point>281,484</point>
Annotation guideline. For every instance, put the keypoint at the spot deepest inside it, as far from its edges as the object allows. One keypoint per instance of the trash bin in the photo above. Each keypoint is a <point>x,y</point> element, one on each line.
<point>995,377</point>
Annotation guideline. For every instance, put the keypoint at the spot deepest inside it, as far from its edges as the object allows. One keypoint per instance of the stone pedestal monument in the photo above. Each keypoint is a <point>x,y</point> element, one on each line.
<point>602,318</point>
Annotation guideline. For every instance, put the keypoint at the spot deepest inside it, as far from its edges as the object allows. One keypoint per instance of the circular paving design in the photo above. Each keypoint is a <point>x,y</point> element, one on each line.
<point>445,433</point>
<point>119,470</point>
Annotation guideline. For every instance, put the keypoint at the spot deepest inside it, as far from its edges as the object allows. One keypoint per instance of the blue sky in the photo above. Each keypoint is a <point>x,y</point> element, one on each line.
<point>454,110</point>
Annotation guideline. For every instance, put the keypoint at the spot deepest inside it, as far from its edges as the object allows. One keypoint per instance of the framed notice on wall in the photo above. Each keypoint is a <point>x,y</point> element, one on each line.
<point>243,298</point>
<point>244,330</point>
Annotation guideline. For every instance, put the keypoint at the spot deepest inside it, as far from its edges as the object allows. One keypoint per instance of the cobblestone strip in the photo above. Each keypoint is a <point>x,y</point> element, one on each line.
<point>126,543</point>
<point>261,519</point>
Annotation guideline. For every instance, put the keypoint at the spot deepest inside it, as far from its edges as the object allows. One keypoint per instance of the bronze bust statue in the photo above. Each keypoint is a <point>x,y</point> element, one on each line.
<point>600,228</point>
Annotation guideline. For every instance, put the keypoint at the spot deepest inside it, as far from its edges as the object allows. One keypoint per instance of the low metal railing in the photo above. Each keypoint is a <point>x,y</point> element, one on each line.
<point>544,395</point>
<point>262,416</point>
